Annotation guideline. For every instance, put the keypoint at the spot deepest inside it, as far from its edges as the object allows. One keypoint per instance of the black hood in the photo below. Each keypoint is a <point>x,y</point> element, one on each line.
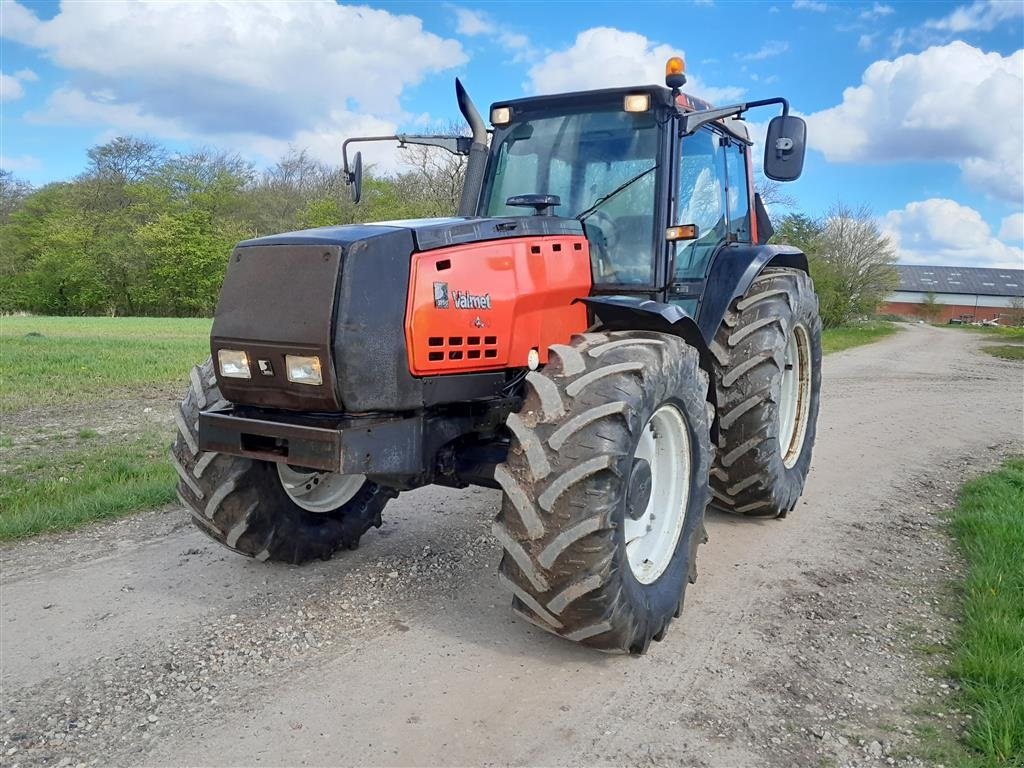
<point>429,233</point>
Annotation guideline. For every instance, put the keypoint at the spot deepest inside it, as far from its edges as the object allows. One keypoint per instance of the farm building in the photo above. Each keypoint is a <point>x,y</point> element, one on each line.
<point>971,294</point>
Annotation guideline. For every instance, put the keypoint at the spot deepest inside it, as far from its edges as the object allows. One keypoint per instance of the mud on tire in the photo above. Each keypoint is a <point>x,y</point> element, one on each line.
<point>753,473</point>
<point>240,503</point>
<point>565,488</point>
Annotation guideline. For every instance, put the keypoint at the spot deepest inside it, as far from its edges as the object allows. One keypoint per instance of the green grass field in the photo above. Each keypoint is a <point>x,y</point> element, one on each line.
<point>988,659</point>
<point>59,492</point>
<point>54,361</point>
<point>71,478</point>
<point>838,339</point>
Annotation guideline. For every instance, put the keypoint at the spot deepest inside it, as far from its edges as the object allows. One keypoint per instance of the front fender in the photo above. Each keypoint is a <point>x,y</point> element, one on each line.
<point>732,271</point>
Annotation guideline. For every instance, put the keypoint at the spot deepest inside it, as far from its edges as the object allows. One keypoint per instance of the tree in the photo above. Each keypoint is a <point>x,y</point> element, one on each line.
<point>862,259</point>
<point>930,309</point>
<point>773,196</point>
<point>850,260</point>
<point>437,175</point>
<point>125,159</point>
<point>1015,312</point>
<point>802,231</point>
<point>13,192</point>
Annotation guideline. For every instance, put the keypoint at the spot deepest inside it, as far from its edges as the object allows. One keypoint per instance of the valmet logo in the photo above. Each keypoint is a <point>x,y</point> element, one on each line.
<point>443,298</point>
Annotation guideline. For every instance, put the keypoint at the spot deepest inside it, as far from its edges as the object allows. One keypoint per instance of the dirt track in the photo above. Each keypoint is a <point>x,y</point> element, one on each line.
<point>140,642</point>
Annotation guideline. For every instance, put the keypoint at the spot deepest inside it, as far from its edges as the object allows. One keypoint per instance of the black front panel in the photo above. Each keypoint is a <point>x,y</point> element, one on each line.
<point>278,300</point>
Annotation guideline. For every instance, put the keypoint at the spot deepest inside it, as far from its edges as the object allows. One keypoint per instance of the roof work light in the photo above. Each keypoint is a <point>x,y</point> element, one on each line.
<point>501,115</point>
<point>636,102</point>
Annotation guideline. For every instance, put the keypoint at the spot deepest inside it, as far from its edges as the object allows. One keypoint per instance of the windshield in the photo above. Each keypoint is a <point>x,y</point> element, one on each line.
<point>582,158</point>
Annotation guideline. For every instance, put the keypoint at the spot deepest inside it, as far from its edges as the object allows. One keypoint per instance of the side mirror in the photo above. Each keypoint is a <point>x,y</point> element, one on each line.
<point>356,178</point>
<point>784,148</point>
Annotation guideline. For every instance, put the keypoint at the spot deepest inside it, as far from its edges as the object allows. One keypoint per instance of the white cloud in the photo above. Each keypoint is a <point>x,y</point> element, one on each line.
<point>11,85</point>
<point>979,16</point>
<point>809,5</point>
<point>472,23</point>
<point>10,88</point>
<point>940,231</point>
<point>1012,229</point>
<point>476,23</point>
<point>626,58</point>
<point>766,51</point>
<point>876,11</point>
<point>323,140</point>
<point>20,164</point>
<point>953,104</point>
<point>272,69</point>
<point>866,42</point>
<point>982,15</point>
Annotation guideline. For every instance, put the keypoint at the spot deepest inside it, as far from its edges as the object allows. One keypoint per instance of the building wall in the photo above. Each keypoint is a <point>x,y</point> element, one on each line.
<point>947,311</point>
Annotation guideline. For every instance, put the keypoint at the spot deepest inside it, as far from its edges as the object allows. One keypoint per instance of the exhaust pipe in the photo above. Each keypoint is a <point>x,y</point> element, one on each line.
<point>477,153</point>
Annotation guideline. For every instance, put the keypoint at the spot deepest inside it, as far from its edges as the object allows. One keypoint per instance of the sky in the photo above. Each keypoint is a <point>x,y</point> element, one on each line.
<point>915,109</point>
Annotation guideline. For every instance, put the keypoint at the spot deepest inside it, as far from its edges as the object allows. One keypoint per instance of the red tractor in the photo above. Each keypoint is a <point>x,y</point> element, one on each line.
<point>602,333</point>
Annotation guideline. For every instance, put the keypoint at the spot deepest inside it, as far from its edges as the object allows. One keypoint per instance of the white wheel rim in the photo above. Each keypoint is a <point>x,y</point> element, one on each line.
<point>651,541</point>
<point>316,491</point>
<point>794,395</point>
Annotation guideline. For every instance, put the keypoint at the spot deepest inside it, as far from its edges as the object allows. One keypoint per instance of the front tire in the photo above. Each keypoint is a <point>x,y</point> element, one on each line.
<point>605,489</point>
<point>244,504</point>
<point>768,379</point>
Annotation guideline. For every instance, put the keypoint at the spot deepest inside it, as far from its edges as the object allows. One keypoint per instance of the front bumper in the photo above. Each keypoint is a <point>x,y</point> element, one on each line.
<point>353,446</point>
<point>402,451</point>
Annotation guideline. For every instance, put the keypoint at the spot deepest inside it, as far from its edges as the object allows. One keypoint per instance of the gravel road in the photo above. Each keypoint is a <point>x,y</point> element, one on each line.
<point>138,642</point>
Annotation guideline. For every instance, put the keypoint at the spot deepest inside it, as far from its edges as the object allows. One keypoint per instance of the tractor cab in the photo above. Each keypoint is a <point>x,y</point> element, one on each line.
<point>661,181</point>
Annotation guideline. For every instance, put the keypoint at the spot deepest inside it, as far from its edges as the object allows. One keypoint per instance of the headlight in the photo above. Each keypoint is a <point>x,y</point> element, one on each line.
<point>303,370</point>
<point>234,363</point>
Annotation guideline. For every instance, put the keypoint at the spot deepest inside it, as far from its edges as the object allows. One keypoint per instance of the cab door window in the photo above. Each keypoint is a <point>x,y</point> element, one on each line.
<point>701,201</point>
<point>737,192</point>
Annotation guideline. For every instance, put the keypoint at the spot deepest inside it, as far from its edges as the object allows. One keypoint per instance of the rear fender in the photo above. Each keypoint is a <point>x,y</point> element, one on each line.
<point>634,313</point>
<point>732,272</point>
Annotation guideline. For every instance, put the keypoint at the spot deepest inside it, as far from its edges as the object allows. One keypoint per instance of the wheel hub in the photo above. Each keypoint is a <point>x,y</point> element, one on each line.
<point>639,495</point>
<point>655,515</point>
<point>316,491</point>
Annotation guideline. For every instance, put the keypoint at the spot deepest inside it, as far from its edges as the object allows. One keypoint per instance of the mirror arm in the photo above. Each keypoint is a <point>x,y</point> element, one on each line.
<point>457,145</point>
<point>691,121</point>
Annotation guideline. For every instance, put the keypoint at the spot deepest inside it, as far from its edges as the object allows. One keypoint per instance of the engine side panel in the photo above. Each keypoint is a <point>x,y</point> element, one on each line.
<point>483,306</point>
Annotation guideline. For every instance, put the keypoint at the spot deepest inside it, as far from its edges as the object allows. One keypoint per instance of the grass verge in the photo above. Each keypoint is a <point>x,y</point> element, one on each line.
<point>56,493</point>
<point>988,659</point>
<point>1005,351</point>
<point>54,361</point>
<point>838,339</point>
<point>997,332</point>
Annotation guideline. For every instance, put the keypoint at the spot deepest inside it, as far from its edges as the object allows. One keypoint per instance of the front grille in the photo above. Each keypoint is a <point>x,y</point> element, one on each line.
<point>442,349</point>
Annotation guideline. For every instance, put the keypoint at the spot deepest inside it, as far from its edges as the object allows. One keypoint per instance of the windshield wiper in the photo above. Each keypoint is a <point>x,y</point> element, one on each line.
<point>602,200</point>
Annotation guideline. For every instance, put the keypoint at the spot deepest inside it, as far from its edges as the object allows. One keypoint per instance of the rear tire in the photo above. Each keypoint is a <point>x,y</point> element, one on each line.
<point>241,503</point>
<point>768,381</point>
<point>574,486</point>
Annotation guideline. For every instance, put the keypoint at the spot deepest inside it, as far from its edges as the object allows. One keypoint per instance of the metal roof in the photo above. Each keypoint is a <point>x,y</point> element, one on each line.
<point>975,280</point>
